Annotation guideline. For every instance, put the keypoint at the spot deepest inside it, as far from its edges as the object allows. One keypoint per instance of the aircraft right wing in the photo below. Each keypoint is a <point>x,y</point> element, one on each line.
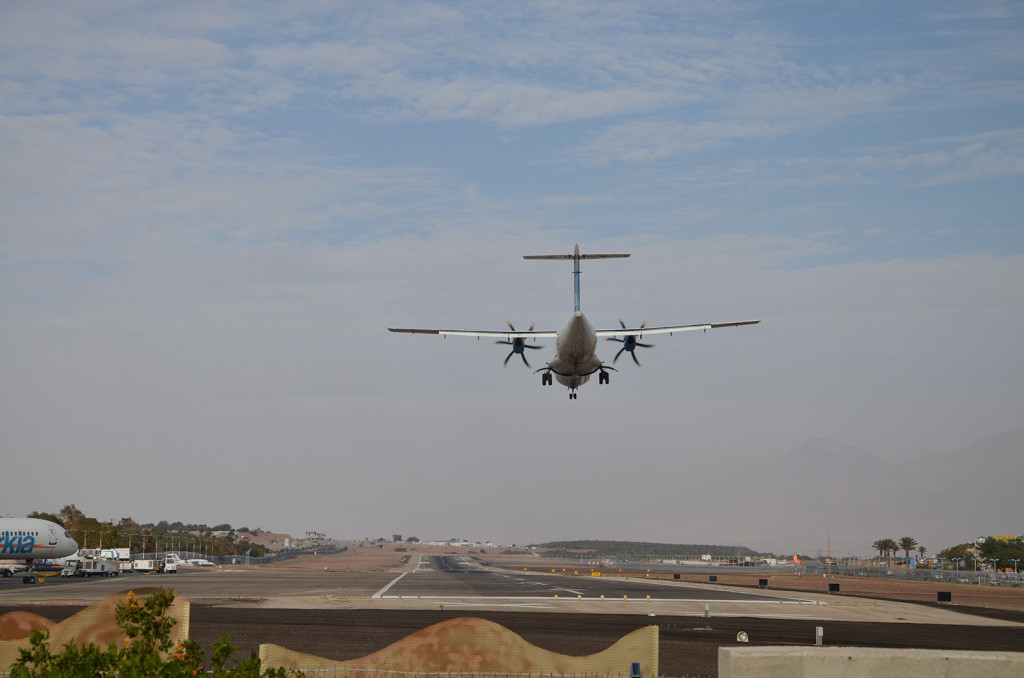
<point>500,334</point>
<point>641,331</point>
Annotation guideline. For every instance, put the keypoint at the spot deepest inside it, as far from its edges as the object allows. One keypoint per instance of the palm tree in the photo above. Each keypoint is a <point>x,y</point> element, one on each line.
<point>890,548</point>
<point>879,546</point>
<point>907,544</point>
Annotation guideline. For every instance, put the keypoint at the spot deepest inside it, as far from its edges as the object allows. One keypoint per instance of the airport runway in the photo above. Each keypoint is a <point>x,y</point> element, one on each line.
<point>435,580</point>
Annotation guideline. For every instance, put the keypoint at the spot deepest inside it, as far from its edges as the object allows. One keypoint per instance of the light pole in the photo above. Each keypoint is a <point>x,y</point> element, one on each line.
<point>1014,561</point>
<point>995,564</point>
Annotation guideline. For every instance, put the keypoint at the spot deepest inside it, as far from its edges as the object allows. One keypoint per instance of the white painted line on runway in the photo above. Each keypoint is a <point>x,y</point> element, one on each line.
<point>394,581</point>
<point>609,600</point>
<point>534,606</point>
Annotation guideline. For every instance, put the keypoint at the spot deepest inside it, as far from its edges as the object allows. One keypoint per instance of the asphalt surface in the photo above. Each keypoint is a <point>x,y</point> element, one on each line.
<point>432,578</point>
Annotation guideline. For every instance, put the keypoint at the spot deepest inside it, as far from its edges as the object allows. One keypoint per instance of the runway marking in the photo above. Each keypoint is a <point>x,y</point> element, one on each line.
<point>592,598</point>
<point>447,600</point>
<point>394,581</point>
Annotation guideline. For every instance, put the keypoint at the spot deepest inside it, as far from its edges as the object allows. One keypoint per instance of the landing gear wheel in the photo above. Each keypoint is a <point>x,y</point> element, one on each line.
<point>29,579</point>
<point>8,573</point>
<point>602,378</point>
<point>545,379</point>
<point>572,395</point>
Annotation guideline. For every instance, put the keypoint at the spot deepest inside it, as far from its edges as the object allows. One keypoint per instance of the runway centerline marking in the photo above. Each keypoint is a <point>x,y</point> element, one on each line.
<point>384,590</point>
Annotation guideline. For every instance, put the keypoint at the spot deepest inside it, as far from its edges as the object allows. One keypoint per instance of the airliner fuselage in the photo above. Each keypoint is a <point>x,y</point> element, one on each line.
<point>23,540</point>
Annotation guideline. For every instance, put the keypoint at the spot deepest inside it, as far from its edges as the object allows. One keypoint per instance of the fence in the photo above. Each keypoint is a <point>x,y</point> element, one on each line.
<point>722,565</point>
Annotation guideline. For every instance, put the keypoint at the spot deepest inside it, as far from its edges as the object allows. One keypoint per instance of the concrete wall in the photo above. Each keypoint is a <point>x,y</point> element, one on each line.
<point>826,662</point>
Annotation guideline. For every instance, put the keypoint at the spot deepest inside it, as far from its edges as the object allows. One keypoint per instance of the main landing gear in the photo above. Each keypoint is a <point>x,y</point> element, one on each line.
<point>545,379</point>
<point>572,394</point>
<point>602,377</point>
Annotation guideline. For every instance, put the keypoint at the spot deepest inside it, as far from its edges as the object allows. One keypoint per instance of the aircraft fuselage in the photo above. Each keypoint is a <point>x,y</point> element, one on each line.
<point>576,346</point>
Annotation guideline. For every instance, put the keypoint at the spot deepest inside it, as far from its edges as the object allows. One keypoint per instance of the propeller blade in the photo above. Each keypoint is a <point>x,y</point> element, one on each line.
<point>633,353</point>
<point>615,339</point>
<point>616,358</point>
<point>645,345</point>
<point>510,354</point>
<point>525,361</point>
<point>518,344</point>
<point>622,323</point>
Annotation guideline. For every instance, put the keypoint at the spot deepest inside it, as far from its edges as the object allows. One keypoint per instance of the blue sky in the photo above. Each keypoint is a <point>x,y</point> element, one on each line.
<point>213,210</point>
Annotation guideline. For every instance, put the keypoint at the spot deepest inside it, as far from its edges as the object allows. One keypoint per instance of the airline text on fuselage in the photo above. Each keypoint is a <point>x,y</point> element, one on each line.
<point>16,543</point>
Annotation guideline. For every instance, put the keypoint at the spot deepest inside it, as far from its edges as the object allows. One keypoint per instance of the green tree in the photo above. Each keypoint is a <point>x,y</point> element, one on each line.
<point>44,516</point>
<point>148,650</point>
<point>965,552</point>
<point>908,544</point>
<point>1005,550</point>
<point>886,547</point>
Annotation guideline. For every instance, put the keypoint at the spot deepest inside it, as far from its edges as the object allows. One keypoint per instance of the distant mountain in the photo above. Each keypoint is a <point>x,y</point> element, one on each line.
<point>599,547</point>
<point>824,488</point>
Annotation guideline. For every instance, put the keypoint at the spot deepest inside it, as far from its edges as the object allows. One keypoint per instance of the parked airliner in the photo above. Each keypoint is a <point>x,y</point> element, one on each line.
<point>24,540</point>
<point>575,358</point>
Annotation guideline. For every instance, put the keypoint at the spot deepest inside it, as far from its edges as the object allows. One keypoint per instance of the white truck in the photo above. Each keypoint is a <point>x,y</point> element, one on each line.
<point>90,568</point>
<point>147,565</point>
<point>115,554</point>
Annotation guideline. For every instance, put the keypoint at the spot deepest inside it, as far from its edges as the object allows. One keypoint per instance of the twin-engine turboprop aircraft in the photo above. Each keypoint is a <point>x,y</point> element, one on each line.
<point>576,343</point>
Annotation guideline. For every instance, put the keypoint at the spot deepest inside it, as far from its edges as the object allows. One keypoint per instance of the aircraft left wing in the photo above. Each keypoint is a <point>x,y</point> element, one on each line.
<point>641,331</point>
<point>500,334</point>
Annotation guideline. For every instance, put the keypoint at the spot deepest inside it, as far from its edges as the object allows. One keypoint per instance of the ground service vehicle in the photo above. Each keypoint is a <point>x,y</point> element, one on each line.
<point>98,568</point>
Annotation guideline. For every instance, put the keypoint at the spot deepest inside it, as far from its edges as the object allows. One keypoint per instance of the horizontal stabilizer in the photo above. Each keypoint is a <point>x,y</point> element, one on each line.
<point>573,256</point>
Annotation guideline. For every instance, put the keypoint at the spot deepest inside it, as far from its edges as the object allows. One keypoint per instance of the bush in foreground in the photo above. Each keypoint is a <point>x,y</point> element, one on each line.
<point>147,650</point>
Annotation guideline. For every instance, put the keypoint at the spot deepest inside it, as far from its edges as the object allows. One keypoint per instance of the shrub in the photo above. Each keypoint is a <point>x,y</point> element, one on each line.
<point>147,650</point>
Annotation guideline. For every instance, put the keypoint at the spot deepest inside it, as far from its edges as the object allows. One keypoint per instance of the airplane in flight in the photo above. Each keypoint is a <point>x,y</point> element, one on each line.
<point>25,540</point>
<point>575,358</point>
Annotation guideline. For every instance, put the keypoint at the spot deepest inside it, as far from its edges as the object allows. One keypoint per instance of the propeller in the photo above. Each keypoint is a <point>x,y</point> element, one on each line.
<point>518,345</point>
<point>629,343</point>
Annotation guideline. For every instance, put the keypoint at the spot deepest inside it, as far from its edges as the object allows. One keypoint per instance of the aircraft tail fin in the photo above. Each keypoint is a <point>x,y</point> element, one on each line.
<point>575,256</point>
